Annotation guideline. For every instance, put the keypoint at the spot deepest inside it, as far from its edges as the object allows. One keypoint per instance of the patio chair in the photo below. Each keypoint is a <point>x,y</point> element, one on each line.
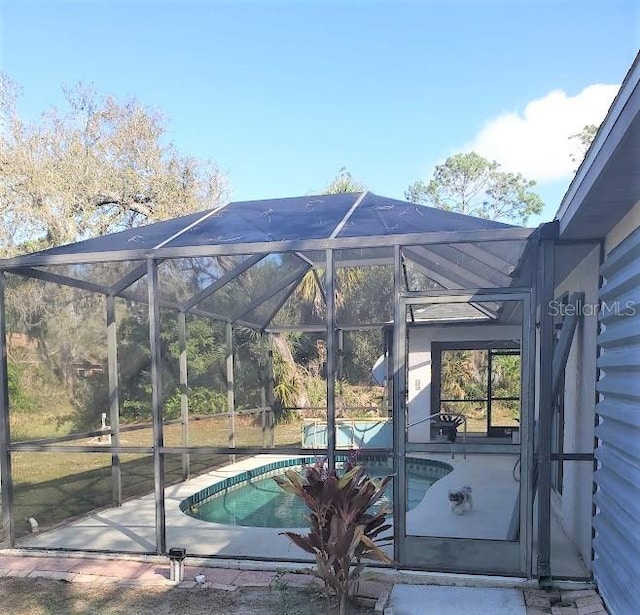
<point>445,426</point>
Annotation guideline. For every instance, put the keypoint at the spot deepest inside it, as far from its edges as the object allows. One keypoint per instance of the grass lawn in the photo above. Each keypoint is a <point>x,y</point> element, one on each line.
<point>57,487</point>
<point>47,597</point>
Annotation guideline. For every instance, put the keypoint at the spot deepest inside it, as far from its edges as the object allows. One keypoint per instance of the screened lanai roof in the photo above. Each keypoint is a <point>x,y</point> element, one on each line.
<point>211,259</point>
<point>325,217</point>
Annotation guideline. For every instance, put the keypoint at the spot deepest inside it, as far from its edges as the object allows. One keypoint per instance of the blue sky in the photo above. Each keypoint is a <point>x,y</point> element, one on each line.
<point>281,94</point>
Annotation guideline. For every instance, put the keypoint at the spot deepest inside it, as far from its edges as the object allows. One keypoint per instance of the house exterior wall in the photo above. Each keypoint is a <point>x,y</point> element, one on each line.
<point>623,229</point>
<point>617,477</point>
<point>419,364</point>
<point>575,505</point>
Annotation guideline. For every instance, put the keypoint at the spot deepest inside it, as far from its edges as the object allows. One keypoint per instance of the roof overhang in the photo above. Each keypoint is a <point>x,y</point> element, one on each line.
<point>607,184</point>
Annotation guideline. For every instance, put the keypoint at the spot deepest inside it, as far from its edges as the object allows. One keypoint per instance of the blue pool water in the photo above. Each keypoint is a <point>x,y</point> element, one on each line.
<point>259,502</point>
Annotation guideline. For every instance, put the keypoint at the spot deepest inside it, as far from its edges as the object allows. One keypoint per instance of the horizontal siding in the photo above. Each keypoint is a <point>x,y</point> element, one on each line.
<point>616,537</point>
<point>620,385</point>
<point>625,361</point>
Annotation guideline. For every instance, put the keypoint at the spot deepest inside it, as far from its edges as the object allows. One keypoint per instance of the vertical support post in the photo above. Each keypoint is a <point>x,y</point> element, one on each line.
<point>331,361</point>
<point>527,423</point>
<point>399,412</point>
<point>546,288</point>
<point>489,389</point>
<point>156,404</point>
<point>263,416</point>
<point>114,397</point>
<point>388,349</point>
<point>340,366</point>
<point>231,398</point>
<point>184,390</point>
<point>270,394</point>
<point>263,394</point>
<point>5,434</point>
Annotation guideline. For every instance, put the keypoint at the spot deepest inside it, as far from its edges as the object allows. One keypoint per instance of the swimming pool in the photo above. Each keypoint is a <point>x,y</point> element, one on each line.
<point>253,499</point>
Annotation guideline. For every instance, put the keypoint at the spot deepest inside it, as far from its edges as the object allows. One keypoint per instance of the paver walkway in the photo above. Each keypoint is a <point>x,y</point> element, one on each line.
<point>85,570</point>
<point>446,600</point>
<point>132,573</point>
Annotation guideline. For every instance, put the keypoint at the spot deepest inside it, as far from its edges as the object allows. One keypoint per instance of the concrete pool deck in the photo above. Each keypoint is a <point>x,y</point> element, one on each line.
<point>494,497</point>
<point>131,527</point>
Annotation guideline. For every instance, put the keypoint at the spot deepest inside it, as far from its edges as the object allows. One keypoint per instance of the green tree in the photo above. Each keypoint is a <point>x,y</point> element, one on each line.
<point>96,166</point>
<point>472,185</point>
<point>344,183</point>
<point>309,290</point>
<point>463,374</point>
<point>206,353</point>
<point>290,377</point>
<point>582,142</point>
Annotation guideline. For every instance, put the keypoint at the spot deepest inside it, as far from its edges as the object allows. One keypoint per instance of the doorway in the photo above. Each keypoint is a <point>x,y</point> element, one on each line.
<point>463,411</point>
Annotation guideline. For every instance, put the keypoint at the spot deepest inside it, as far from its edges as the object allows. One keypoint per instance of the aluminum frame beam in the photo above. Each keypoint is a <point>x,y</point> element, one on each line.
<point>528,394</point>
<point>184,390</point>
<point>181,450</point>
<point>320,328</point>
<point>321,288</point>
<point>347,263</point>
<point>296,276</point>
<point>221,318</point>
<point>205,216</point>
<point>563,346</point>
<point>437,271</point>
<point>281,302</point>
<point>270,391</point>
<point>266,247</point>
<point>425,266</point>
<point>465,295</point>
<point>5,428</point>
<point>405,280</point>
<point>453,271</point>
<point>128,279</point>
<point>345,219</point>
<point>114,396</point>
<point>486,258</point>
<point>156,406</point>
<point>223,281</point>
<point>546,288</point>
<point>331,361</point>
<point>399,411</point>
<point>263,391</point>
<point>231,394</point>
<point>450,256</point>
<point>61,280</point>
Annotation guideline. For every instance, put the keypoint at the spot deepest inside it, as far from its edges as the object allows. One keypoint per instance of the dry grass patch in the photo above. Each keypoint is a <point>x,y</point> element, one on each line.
<point>47,597</point>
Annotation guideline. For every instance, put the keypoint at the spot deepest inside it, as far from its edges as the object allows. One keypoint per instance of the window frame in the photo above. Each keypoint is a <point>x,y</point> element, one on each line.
<point>493,347</point>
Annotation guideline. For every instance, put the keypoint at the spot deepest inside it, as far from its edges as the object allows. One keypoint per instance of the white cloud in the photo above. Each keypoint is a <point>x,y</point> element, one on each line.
<point>536,142</point>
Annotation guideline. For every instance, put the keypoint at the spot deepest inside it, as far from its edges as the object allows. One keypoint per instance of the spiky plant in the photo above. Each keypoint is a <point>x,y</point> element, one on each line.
<point>344,528</point>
